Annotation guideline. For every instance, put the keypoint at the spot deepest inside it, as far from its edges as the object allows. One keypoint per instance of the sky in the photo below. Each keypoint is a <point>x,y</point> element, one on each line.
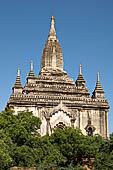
<point>85,32</point>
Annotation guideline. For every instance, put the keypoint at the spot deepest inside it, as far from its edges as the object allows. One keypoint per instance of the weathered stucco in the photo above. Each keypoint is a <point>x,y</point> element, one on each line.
<point>57,99</point>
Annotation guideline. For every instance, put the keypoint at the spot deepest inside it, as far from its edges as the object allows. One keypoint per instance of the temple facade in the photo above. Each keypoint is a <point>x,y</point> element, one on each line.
<point>56,99</point>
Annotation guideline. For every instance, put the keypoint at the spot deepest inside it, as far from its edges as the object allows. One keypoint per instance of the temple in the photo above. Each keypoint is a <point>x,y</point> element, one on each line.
<point>56,99</point>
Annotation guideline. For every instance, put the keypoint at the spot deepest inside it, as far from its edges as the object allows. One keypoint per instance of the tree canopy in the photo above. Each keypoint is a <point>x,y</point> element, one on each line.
<point>21,145</point>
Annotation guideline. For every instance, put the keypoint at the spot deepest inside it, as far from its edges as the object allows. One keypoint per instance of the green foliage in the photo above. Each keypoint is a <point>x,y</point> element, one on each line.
<point>19,127</point>
<point>104,156</point>
<point>24,156</point>
<point>6,150</point>
<point>74,146</point>
<point>15,134</point>
<point>66,149</point>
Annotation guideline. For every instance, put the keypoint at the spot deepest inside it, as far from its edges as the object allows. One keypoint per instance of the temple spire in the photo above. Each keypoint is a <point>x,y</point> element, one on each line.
<point>18,82</point>
<point>52,32</point>
<point>98,85</point>
<point>80,72</point>
<point>31,65</point>
<point>18,73</point>
<point>18,86</point>
<point>80,80</point>
<point>31,73</point>
<point>52,58</point>
<point>98,92</point>
<point>98,79</point>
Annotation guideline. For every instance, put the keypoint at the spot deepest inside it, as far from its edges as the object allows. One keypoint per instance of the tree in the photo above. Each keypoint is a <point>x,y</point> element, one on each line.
<point>19,129</point>
<point>104,157</point>
<point>74,146</point>
<point>21,145</point>
<point>6,150</point>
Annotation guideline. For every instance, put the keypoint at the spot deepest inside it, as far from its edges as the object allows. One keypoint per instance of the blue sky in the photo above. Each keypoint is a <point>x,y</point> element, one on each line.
<point>85,32</point>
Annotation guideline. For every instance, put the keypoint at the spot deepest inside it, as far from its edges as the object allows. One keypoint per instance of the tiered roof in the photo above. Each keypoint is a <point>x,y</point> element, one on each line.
<point>18,82</point>
<point>53,84</point>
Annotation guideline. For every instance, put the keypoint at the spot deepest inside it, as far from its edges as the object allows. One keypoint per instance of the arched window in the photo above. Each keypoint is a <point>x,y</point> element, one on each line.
<point>90,131</point>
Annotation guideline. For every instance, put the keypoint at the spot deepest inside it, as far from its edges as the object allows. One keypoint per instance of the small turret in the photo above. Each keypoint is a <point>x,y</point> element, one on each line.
<point>18,86</point>
<point>31,76</point>
<point>31,73</point>
<point>80,80</point>
<point>98,92</point>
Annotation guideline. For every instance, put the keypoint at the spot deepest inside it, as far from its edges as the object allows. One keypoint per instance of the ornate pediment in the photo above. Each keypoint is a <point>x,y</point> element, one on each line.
<point>62,107</point>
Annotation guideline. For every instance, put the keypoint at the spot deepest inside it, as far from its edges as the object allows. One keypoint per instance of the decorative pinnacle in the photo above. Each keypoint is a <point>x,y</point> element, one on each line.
<point>98,92</point>
<point>80,72</point>
<point>98,79</point>
<point>80,80</point>
<point>31,65</point>
<point>98,85</point>
<point>31,73</point>
<point>18,73</point>
<point>18,82</point>
<point>52,32</point>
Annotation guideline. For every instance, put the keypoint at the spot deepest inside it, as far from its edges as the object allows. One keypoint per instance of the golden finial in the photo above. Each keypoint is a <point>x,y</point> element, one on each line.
<point>80,72</point>
<point>18,74</point>
<point>31,65</point>
<point>98,79</point>
<point>52,18</point>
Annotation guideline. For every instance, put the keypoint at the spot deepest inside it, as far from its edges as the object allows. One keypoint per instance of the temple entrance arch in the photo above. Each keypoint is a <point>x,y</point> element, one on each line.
<point>57,117</point>
<point>61,117</point>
